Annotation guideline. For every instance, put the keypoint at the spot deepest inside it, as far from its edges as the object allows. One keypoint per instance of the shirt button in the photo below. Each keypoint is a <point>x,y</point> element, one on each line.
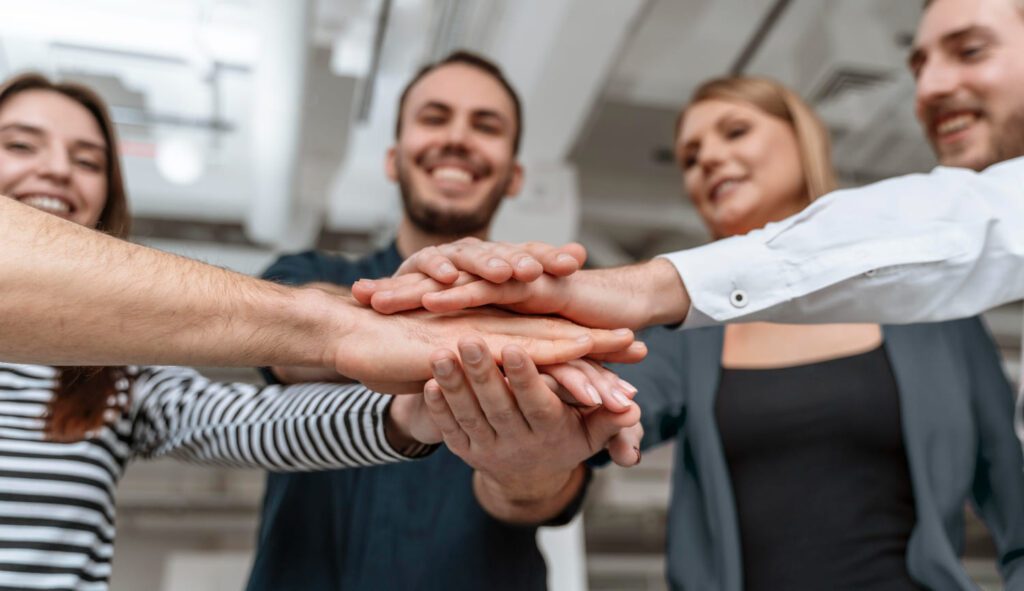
<point>738,298</point>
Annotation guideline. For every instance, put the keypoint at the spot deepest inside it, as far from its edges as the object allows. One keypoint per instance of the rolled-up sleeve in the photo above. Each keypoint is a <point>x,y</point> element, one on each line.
<point>918,248</point>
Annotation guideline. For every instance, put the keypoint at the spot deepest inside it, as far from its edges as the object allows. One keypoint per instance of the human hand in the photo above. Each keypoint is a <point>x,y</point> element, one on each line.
<point>494,261</point>
<point>381,350</point>
<point>518,434</point>
<point>633,296</point>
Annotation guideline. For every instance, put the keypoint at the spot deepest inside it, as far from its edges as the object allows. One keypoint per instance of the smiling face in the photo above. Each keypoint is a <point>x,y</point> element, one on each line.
<point>53,156</point>
<point>454,158</point>
<point>968,62</point>
<point>741,166</point>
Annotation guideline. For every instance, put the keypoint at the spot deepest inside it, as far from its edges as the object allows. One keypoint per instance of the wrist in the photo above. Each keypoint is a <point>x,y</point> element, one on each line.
<point>531,509</point>
<point>396,426</point>
<point>661,289</point>
<point>528,489</point>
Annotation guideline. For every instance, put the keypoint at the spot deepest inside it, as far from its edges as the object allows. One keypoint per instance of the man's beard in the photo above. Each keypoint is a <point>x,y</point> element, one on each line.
<point>433,220</point>
<point>1007,142</point>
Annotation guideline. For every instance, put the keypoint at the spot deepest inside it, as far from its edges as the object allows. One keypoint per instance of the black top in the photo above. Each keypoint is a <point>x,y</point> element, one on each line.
<point>416,526</point>
<point>819,472</point>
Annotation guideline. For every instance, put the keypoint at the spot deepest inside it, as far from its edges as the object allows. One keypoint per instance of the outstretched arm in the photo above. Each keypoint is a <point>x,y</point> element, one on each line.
<point>917,248</point>
<point>72,296</point>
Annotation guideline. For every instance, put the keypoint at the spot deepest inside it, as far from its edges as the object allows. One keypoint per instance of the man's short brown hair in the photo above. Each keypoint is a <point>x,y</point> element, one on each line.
<point>476,61</point>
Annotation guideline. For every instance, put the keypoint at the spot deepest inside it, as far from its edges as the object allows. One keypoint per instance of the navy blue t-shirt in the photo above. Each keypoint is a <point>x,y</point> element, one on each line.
<point>409,526</point>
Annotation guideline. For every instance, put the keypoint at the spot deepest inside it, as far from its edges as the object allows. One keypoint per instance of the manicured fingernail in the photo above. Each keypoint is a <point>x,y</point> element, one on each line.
<point>496,263</point>
<point>443,367</point>
<point>583,338</point>
<point>447,268</point>
<point>592,392</point>
<point>639,456</point>
<point>629,387</point>
<point>620,398</point>
<point>471,352</point>
<point>514,359</point>
<point>621,332</point>
<point>567,258</point>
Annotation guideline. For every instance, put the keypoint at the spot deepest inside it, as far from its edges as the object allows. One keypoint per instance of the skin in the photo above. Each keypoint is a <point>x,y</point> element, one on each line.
<point>53,146</point>
<point>966,63</point>
<point>740,166</point>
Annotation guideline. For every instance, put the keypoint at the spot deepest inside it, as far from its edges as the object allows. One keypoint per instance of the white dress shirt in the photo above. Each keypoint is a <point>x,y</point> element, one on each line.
<point>918,248</point>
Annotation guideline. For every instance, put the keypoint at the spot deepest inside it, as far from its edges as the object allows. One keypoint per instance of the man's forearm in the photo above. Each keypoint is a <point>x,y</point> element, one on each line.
<point>69,295</point>
<point>528,509</point>
<point>635,296</point>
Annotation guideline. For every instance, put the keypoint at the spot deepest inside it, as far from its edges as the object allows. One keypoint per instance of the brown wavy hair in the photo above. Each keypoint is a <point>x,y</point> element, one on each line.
<point>778,101</point>
<point>83,394</point>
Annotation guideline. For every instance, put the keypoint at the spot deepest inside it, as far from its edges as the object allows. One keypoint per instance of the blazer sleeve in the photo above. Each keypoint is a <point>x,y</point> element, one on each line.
<point>661,384</point>
<point>998,490</point>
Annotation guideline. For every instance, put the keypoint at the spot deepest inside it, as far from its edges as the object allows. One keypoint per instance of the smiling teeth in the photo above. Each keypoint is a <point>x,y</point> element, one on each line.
<point>450,173</point>
<point>954,124</point>
<point>47,203</point>
<point>724,186</point>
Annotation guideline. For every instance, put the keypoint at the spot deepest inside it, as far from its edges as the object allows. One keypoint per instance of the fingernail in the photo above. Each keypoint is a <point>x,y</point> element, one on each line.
<point>583,339</point>
<point>514,359</point>
<point>471,352</point>
<point>567,258</point>
<point>385,294</point>
<point>443,367</point>
<point>621,332</point>
<point>592,392</point>
<point>526,262</point>
<point>496,263</point>
<point>639,456</point>
<point>366,283</point>
<point>447,268</point>
<point>628,386</point>
<point>620,398</point>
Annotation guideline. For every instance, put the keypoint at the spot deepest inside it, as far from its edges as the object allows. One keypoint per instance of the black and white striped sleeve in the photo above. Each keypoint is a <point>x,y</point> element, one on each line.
<point>302,427</point>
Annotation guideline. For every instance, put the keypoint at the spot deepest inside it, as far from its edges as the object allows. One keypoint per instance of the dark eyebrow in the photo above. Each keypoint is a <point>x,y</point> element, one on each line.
<point>435,105</point>
<point>917,55</point>
<point>33,130</point>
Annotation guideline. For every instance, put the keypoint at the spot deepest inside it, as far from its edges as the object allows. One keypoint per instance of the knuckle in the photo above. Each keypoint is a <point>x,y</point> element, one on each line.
<point>505,415</point>
<point>539,415</point>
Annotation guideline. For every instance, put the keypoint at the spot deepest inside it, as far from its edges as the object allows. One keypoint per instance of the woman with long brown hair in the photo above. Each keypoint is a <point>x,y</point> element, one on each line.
<point>67,434</point>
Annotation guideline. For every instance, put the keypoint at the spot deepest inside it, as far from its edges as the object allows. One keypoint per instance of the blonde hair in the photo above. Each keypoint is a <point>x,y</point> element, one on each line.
<point>778,101</point>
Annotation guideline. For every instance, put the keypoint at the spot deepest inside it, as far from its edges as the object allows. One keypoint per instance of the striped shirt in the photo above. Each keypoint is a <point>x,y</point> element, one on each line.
<point>57,499</point>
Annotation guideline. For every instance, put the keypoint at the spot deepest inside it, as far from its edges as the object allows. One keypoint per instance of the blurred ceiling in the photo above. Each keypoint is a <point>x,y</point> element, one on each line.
<point>210,96</point>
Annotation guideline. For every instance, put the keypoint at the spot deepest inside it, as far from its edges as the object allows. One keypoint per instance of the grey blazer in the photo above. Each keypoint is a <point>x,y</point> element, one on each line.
<point>957,412</point>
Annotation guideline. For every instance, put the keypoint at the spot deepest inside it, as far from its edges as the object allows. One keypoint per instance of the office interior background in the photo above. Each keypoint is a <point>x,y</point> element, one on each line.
<point>255,127</point>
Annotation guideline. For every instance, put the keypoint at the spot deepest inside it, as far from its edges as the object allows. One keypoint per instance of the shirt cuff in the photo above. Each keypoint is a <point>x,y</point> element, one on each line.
<point>729,279</point>
<point>413,452</point>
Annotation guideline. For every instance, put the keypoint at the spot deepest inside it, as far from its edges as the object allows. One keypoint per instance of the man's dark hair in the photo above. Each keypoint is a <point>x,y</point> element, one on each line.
<point>476,61</point>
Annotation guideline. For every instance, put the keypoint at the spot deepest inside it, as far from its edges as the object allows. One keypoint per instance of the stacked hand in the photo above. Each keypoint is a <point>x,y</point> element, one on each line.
<point>530,278</point>
<point>525,441</point>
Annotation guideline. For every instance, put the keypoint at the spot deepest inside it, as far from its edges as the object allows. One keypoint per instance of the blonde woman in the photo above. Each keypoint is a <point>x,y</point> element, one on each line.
<point>814,457</point>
